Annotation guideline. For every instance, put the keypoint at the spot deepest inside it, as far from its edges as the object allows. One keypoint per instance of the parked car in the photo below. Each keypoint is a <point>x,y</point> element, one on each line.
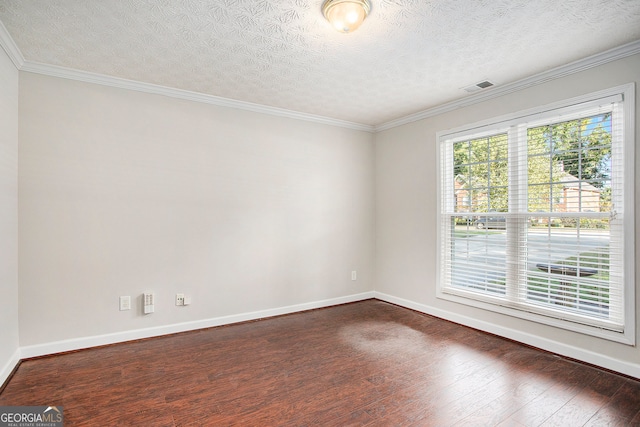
<point>491,222</point>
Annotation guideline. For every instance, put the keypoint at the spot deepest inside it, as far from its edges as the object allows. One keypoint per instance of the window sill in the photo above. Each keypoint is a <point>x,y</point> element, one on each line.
<point>626,337</point>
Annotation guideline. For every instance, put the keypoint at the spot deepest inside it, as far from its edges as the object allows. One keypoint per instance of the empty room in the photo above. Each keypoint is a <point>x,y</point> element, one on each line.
<point>319,212</point>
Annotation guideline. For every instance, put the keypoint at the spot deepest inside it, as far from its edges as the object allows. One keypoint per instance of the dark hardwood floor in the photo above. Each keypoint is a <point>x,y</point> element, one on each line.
<point>366,363</point>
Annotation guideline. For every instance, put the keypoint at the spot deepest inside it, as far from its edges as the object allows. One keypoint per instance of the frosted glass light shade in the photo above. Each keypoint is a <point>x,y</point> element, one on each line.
<point>346,15</point>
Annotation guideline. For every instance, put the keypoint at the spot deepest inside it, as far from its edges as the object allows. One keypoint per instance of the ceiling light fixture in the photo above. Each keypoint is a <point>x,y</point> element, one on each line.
<point>346,15</point>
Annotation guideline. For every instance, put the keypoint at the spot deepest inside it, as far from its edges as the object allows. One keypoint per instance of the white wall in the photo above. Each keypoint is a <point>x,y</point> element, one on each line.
<point>406,215</point>
<point>123,192</point>
<point>8,216</point>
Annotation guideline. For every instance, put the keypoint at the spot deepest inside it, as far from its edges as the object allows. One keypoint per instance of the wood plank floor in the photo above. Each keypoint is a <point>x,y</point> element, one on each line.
<point>366,363</point>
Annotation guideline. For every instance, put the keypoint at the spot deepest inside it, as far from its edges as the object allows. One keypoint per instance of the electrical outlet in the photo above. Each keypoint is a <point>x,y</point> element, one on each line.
<point>179,299</point>
<point>354,275</point>
<point>125,303</point>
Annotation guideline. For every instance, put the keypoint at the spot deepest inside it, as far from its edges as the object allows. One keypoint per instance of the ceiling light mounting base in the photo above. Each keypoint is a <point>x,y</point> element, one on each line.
<point>346,15</point>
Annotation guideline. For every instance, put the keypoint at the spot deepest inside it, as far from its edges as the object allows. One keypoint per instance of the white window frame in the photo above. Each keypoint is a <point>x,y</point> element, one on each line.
<point>510,123</point>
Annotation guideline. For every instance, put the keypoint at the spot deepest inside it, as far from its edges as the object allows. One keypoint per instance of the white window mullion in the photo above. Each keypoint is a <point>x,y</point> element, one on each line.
<point>516,220</point>
<point>616,224</point>
<point>447,197</point>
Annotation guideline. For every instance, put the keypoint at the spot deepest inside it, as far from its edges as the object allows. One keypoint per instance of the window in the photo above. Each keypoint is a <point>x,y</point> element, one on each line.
<point>536,215</point>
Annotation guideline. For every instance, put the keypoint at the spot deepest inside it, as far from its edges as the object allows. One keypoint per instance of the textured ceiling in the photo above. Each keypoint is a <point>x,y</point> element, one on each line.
<point>409,55</point>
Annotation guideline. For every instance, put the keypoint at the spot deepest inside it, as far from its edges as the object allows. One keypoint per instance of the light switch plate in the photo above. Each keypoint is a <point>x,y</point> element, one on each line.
<point>125,303</point>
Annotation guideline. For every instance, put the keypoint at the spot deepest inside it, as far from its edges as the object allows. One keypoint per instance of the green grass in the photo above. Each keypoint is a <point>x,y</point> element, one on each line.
<point>463,234</point>
<point>596,260</point>
<point>545,288</point>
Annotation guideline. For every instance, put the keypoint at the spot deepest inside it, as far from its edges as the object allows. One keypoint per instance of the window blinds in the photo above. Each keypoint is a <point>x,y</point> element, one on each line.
<point>532,213</point>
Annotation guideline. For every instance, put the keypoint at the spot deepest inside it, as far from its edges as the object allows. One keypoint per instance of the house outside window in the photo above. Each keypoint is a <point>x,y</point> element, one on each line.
<point>536,215</point>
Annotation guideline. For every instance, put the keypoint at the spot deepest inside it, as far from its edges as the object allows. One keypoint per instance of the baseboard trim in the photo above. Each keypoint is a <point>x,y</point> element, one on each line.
<point>8,368</point>
<point>606,362</point>
<point>579,354</point>
<point>45,349</point>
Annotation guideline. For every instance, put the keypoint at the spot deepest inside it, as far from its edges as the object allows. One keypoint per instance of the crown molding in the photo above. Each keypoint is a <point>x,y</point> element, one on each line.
<point>14,53</point>
<point>117,82</point>
<point>497,91</point>
<point>9,46</point>
<point>7,43</point>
